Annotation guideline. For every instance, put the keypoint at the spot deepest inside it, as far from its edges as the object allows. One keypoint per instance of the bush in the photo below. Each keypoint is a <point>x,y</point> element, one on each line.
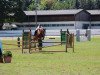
<point>7,53</point>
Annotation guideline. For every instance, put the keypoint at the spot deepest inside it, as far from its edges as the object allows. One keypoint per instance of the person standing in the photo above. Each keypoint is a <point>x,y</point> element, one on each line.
<point>1,56</point>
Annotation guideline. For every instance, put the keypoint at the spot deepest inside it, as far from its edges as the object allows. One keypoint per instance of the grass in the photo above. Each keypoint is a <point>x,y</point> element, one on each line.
<point>85,60</point>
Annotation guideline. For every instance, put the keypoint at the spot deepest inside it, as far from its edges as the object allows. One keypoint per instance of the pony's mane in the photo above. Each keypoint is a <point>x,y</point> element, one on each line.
<point>39,33</point>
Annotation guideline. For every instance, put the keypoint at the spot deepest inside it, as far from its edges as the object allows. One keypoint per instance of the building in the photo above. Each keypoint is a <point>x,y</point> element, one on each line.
<point>62,19</point>
<point>95,19</point>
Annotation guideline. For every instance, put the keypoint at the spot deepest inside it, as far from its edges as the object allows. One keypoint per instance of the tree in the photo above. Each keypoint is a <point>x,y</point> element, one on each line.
<point>59,5</point>
<point>77,4</point>
<point>26,4</point>
<point>4,10</point>
<point>8,6</point>
<point>82,4</point>
<point>49,4</point>
<point>20,16</point>
<point>97,4</point>
<point>32,5</point>
<point>46,4</point>
<point>90,5</point>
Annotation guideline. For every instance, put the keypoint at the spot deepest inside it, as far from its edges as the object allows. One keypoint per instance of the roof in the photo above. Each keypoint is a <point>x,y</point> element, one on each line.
<point>61,12</point>
<point>94,12</point>
<point>54,12</point>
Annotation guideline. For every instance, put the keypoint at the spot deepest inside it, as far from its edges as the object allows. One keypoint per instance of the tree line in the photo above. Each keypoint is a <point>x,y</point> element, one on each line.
<point>63,4</point>
<point>18,6</point>
<point>7,6</point>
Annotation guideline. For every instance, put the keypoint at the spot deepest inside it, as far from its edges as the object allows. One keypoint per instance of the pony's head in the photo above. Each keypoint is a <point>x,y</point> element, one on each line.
<point>40,33</point>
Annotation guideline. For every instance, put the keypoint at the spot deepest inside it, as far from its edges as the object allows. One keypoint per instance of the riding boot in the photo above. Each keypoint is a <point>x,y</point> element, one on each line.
<point>40,44</point>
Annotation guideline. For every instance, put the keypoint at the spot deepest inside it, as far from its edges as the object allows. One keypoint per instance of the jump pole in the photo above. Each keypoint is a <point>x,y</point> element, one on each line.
<point>61,35</point>
<point>66,43</point>
<point>71,42</point>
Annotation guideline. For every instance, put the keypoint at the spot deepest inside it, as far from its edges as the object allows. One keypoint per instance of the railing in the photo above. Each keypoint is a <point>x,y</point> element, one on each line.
<point>17,33</point>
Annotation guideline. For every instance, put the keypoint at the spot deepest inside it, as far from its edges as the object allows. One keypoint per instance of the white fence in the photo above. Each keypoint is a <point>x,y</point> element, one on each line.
<point>16,33</point>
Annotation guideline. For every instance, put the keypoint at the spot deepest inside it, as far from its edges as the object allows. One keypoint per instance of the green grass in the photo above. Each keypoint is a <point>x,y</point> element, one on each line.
<point>85,60</point>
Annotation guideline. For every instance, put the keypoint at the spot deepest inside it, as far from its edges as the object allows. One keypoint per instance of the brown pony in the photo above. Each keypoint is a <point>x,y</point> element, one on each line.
<point>39,35</point>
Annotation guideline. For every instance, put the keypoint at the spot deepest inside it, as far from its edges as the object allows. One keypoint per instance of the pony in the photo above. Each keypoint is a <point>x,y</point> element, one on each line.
<point>38,36</point>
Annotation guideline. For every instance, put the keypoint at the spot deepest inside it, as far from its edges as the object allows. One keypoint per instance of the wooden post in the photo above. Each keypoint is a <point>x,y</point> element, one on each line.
<point>26,40</point>
<point>22,41</point>
<point>61,36</point>
<point>73,41</point>
<point>70,41</point>
<point>29,42</point>
<point>66,43</point>
<point>18,42</point>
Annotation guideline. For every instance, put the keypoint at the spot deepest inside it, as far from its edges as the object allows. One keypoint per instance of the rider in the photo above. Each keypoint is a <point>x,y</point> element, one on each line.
<point>68,32</point>
<point>39,27</point>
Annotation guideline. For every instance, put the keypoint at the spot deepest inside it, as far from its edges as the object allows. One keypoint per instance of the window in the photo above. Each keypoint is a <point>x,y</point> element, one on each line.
<point>53,25</point>
<point>95,24</point>
<point>71,24</point>
<point>85,26</point>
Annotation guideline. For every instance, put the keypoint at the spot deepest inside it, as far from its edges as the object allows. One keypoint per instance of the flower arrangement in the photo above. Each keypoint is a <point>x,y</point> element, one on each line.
<point>7,53</point>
